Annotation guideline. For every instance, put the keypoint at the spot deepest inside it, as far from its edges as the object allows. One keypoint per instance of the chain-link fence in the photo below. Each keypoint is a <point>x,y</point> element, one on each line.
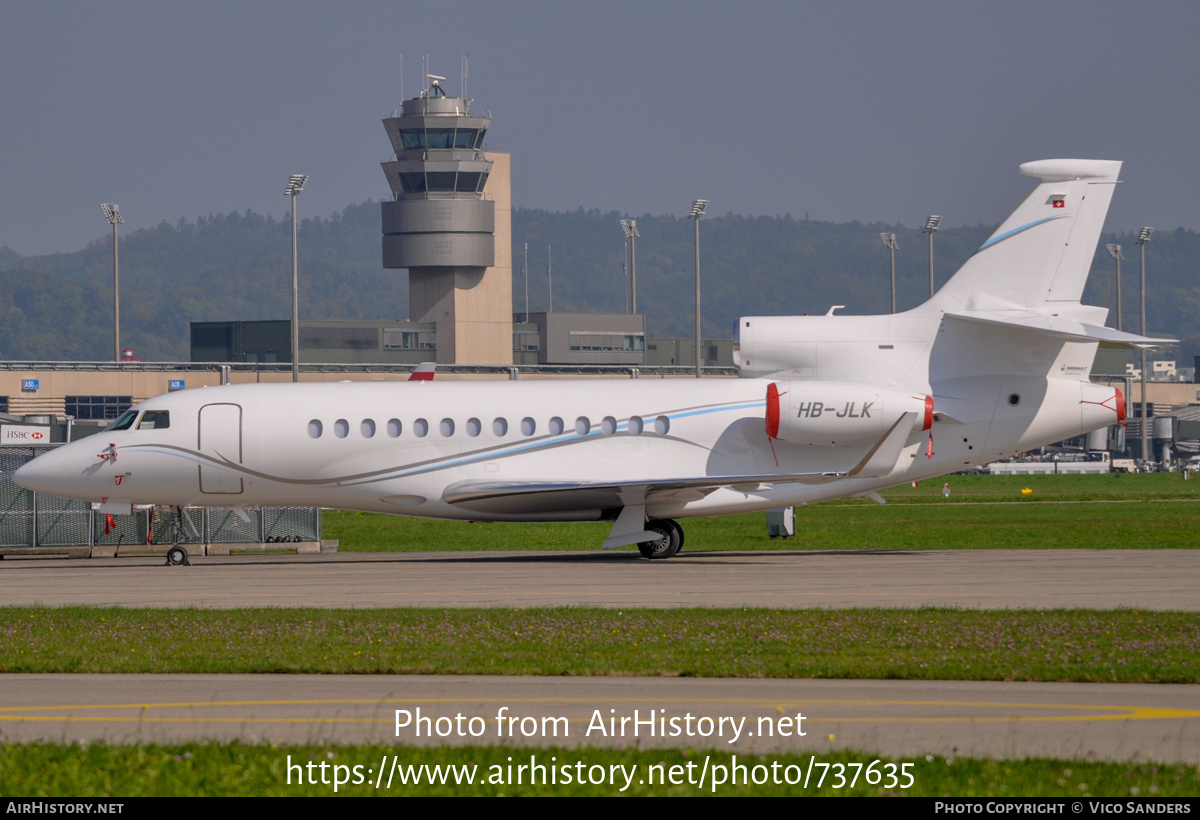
<point>29,519</point>
<point>16,503</point>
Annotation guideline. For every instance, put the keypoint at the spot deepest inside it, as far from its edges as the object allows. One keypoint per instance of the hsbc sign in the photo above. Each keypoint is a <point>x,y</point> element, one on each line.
<point>24,434</point>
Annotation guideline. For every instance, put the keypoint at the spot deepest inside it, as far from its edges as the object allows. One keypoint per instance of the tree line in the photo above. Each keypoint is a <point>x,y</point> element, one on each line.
<point>238,266</point>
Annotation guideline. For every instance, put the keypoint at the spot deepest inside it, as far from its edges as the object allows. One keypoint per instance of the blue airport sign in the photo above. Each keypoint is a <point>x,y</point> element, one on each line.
<point>29,384</point>
<point>175,384</point>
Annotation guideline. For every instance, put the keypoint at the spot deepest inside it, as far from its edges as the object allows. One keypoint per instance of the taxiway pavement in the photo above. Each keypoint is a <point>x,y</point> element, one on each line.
<point>886,718</point>
<point>977,579</point>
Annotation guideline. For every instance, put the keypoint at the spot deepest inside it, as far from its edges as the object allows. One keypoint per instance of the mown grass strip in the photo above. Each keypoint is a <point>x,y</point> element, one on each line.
<point>238,769</point>
<point>1110,511</point>
<point>1162,524</point>
<point>930,644</point>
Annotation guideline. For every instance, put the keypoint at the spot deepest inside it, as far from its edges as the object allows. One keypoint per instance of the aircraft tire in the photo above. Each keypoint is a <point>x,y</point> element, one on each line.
<point>679,532</point>
<point>667,545</point>
<point>177,557</point>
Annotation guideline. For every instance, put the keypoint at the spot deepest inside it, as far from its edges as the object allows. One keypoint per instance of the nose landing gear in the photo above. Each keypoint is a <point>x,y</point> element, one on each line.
<point>177,556</point>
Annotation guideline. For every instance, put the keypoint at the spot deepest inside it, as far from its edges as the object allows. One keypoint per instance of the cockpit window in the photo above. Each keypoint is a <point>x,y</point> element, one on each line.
<point>155,420</point>
<point>123,422</point>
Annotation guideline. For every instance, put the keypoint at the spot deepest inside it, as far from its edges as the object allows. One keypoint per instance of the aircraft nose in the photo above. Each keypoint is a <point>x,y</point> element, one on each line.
<point>53,473</point>
<point>33,474</point>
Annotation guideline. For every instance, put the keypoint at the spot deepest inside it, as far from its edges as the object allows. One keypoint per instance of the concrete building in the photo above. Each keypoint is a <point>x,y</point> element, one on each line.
<point>450,224</point>
<point>682,352</point>
<point>321,342</point>
<point>548,338</point>
<point>588,338</point>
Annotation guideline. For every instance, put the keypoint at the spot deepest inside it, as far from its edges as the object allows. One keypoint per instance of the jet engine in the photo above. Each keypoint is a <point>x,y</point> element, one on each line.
<point>812,412</point>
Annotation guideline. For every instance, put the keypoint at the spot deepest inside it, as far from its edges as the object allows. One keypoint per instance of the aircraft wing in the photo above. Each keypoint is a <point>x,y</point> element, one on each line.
<point>521,497</point>
<point>568,496</point>
<point>1060,327</point>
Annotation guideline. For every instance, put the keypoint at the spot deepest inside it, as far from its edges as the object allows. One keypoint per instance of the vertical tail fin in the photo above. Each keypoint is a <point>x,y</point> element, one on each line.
<point>424,372</point>
<point>1043,251</point>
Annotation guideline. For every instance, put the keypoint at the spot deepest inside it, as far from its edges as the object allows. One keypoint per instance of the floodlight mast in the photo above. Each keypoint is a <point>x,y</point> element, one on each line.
<point>112,213</point>
<point>1144,237</point>
<point>698,208</point>
<point>1115,252</point>
<point>931,226</point>
<point>629,226</point>
<point>295,185</point>
<point>889,241</point>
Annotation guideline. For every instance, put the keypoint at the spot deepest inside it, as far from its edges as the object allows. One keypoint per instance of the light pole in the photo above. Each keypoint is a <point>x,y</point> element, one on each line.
<point>295,185</point>
<point>931,226</point>
<point>526,283</point>
<point>113,214</point>
<point>889,241</point>
<point>698,211</point>
<point>1144,237</point>
<point>625,270</point>
<point>1115,252</point>
<point>631,233</point>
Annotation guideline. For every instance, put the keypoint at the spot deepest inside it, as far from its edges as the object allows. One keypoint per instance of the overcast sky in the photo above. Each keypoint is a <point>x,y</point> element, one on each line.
<point>852,110</point>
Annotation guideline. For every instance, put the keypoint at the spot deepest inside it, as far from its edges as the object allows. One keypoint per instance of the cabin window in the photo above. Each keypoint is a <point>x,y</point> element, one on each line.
<point>556,426</point>
<point>635,425</point>
<point>124,422</point>
<point>367,428</point>
<point>582,426</point>
<point>421,428</point>
<point>500,427</point>
<point>474,427</point>
<point>315,428</point>
<point>447,427</point>
<point>608,426</point>
<point>394,427</point>
<point>528,426</point>
<point>341,428</point>
<point>662,425</point>
<point>155,420</point>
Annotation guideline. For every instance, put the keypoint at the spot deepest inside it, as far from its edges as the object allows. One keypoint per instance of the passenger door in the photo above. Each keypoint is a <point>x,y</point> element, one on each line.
<point>220,440</point>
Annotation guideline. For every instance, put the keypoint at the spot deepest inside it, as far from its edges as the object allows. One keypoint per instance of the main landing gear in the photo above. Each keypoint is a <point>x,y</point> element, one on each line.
<point>669,542</point>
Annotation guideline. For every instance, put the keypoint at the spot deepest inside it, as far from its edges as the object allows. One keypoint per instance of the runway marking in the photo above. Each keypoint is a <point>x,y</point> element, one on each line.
<point>1093,712</point>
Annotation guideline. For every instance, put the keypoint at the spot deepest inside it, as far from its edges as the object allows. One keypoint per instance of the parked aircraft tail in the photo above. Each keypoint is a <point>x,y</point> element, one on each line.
<point>1042,253</point>
<point>1031,272</point>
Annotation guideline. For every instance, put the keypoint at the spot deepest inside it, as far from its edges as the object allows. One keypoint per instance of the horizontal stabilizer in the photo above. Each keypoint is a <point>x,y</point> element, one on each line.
<point>1060,327</point>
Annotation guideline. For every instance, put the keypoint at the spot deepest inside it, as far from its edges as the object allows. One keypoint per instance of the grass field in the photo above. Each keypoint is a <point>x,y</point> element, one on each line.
<point>1126,511</point>
<point>932,644</point>
<point>236,769</point>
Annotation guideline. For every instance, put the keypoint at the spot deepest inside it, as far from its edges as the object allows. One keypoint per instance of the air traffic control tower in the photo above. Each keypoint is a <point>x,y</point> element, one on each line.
<point>450,223</point>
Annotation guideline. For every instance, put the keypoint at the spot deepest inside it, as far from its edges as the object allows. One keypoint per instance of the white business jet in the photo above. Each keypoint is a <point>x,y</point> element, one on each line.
<point>829,406</point>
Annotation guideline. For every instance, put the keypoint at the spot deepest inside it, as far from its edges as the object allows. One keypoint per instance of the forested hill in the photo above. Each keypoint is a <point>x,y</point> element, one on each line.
<point>238,266</point>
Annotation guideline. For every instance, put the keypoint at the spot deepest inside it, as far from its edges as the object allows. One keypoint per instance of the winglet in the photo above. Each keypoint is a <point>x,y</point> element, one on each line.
<point>424,372</point>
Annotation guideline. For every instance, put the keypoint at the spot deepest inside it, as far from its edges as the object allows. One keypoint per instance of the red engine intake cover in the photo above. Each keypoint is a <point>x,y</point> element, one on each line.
<point>772,410</point>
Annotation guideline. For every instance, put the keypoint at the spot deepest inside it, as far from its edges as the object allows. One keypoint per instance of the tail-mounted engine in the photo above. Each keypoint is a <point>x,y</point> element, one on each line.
<point>823,413</point>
